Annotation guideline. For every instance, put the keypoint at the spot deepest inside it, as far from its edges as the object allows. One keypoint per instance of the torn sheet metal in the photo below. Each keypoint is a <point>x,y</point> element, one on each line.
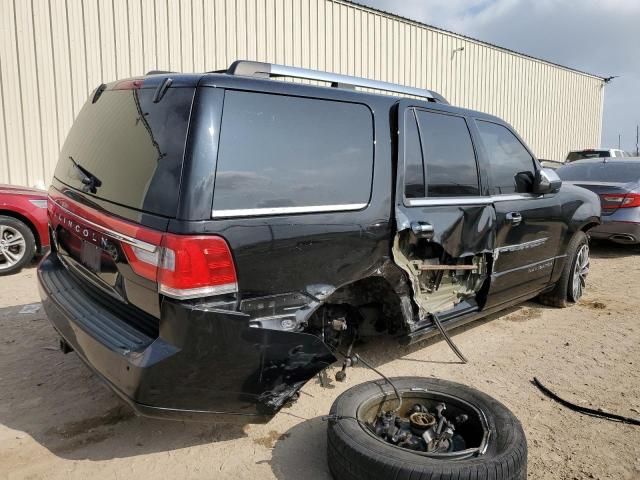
<point>220,363</point>
<point>467,234</point>
<point>460,230</point>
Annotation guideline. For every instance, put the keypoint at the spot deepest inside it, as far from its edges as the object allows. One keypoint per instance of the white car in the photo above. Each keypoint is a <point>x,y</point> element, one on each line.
<point>574,155</point>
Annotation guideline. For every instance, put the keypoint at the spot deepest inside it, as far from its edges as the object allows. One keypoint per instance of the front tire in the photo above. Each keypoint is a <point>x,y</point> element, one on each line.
<point>571,284</point>
<point>355,454</point>
<point>17,245</point>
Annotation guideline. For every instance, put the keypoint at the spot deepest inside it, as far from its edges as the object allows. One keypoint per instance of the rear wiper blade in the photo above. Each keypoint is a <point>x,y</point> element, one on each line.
<point>89,180</point>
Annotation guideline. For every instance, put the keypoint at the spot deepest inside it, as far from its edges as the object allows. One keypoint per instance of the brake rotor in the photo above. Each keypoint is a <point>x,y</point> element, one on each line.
<point>422,420</point>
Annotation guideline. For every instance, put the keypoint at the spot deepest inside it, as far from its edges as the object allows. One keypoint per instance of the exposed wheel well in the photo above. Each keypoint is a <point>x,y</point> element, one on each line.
<point>371,293</point>
<point>27,222</point>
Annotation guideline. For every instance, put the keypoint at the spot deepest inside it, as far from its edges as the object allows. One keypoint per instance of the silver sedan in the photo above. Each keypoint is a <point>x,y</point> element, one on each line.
<point>617,183</point>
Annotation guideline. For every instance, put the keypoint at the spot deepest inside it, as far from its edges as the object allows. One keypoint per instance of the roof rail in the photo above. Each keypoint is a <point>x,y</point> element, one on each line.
<point>267,70</point>
<point>158,72</point>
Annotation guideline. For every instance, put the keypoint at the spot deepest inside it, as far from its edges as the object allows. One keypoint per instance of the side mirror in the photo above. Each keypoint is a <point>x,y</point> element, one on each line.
<point>547,181</point>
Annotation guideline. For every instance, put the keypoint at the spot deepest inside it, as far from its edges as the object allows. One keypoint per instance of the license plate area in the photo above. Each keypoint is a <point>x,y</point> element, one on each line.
<point>90,256</point>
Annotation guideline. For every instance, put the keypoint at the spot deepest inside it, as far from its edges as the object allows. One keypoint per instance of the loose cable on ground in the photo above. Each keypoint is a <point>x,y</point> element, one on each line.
<point>587,411</point>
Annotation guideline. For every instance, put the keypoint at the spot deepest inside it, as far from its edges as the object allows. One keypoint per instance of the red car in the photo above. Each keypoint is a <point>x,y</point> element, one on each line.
<point>23,226</point>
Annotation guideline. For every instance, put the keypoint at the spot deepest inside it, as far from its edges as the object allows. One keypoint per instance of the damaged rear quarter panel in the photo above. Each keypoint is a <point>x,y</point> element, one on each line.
<point>226,366</point>
<point>255,370</point>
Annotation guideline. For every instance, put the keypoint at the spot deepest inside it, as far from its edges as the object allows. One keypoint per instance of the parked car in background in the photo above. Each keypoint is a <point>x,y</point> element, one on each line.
<point>617,183</point>
<point>23,226</point>
<point>574,155</point>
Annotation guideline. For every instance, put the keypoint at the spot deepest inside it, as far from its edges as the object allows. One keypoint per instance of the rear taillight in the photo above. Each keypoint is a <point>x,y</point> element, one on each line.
<point>187,266</point>
<point>184,266</point>
<point>196,267</point>
<point>620,200</point>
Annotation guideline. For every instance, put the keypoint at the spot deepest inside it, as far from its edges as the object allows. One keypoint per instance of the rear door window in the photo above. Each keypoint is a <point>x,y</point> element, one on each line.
<point>283,154</point>
<point>133,146</point>
<point>511,166</point>
<point>449,157</point>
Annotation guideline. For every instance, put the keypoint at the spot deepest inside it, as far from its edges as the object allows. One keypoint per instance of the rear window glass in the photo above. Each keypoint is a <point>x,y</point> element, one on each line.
<point>573,156</point>
<point>134,147</point>
<point>600,172</point>
<point>282,152</point>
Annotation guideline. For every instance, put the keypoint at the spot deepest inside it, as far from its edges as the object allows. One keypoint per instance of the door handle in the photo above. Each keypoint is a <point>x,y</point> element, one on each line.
<point>515,218</point>
<point>422,230</point>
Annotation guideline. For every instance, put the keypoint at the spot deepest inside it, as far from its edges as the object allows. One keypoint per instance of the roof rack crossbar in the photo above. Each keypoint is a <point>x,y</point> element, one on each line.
<point>267,70</point>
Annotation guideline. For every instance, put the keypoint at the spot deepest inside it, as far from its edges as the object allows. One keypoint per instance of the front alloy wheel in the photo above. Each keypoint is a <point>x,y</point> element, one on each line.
<point>580,272</point>
<point>570,286</point>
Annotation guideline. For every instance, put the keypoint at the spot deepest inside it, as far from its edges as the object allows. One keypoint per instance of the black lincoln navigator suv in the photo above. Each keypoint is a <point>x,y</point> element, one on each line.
<point>216,236</point>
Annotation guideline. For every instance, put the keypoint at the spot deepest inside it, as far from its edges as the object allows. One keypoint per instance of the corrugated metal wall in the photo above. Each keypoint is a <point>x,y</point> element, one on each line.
<point>54,52</point>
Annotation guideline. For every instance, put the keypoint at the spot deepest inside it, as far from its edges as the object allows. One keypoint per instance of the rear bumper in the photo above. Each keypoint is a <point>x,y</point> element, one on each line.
<point>204,365</point>
<point>627,232</point>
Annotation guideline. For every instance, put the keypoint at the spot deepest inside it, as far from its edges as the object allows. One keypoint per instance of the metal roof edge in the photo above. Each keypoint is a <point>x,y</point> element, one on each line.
<point>465,37</point>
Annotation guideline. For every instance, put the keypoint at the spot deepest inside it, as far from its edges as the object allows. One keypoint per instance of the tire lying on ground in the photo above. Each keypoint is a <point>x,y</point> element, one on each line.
<point>355,452</point>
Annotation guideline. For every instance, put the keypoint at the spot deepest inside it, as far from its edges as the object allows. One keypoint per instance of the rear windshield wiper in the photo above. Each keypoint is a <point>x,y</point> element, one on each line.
<point>89,180</point>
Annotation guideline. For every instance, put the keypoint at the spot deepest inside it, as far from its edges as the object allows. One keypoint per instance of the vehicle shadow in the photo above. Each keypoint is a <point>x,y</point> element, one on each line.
<point>381,350</point>
<point>57,401</point>
<point>301,452</point>
<point>606,249</point>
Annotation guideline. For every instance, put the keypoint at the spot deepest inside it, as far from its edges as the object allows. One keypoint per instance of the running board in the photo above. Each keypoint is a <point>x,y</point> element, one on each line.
<point>428,327</point>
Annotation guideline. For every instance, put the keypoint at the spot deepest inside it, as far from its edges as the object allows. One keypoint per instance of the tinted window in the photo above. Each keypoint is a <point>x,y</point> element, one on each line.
<point>413,168</point>
<point>133,146</point>
<point>511,166</point>
<point>600,172</point>
<point>280,151</point>
<point>449,158</point>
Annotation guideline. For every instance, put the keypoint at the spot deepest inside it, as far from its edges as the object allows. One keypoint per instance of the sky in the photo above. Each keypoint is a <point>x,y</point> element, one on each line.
<point>596,36</point>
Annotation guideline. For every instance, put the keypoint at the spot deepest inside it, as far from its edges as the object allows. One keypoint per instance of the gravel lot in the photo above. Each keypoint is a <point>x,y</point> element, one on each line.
<point>58,421</point>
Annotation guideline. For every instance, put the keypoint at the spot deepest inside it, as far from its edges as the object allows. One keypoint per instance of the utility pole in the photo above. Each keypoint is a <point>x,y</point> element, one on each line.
<point>637,140</point>
<point>619,138</point>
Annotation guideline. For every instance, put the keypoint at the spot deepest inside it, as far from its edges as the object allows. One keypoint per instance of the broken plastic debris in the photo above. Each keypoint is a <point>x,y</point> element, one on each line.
<point>31,308</point>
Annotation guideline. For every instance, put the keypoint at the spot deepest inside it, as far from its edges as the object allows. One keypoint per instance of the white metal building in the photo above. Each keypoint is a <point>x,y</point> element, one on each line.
<point>54,52</point>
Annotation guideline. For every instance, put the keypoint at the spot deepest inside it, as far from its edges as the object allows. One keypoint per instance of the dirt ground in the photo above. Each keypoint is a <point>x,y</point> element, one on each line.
<point>57,421</point>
